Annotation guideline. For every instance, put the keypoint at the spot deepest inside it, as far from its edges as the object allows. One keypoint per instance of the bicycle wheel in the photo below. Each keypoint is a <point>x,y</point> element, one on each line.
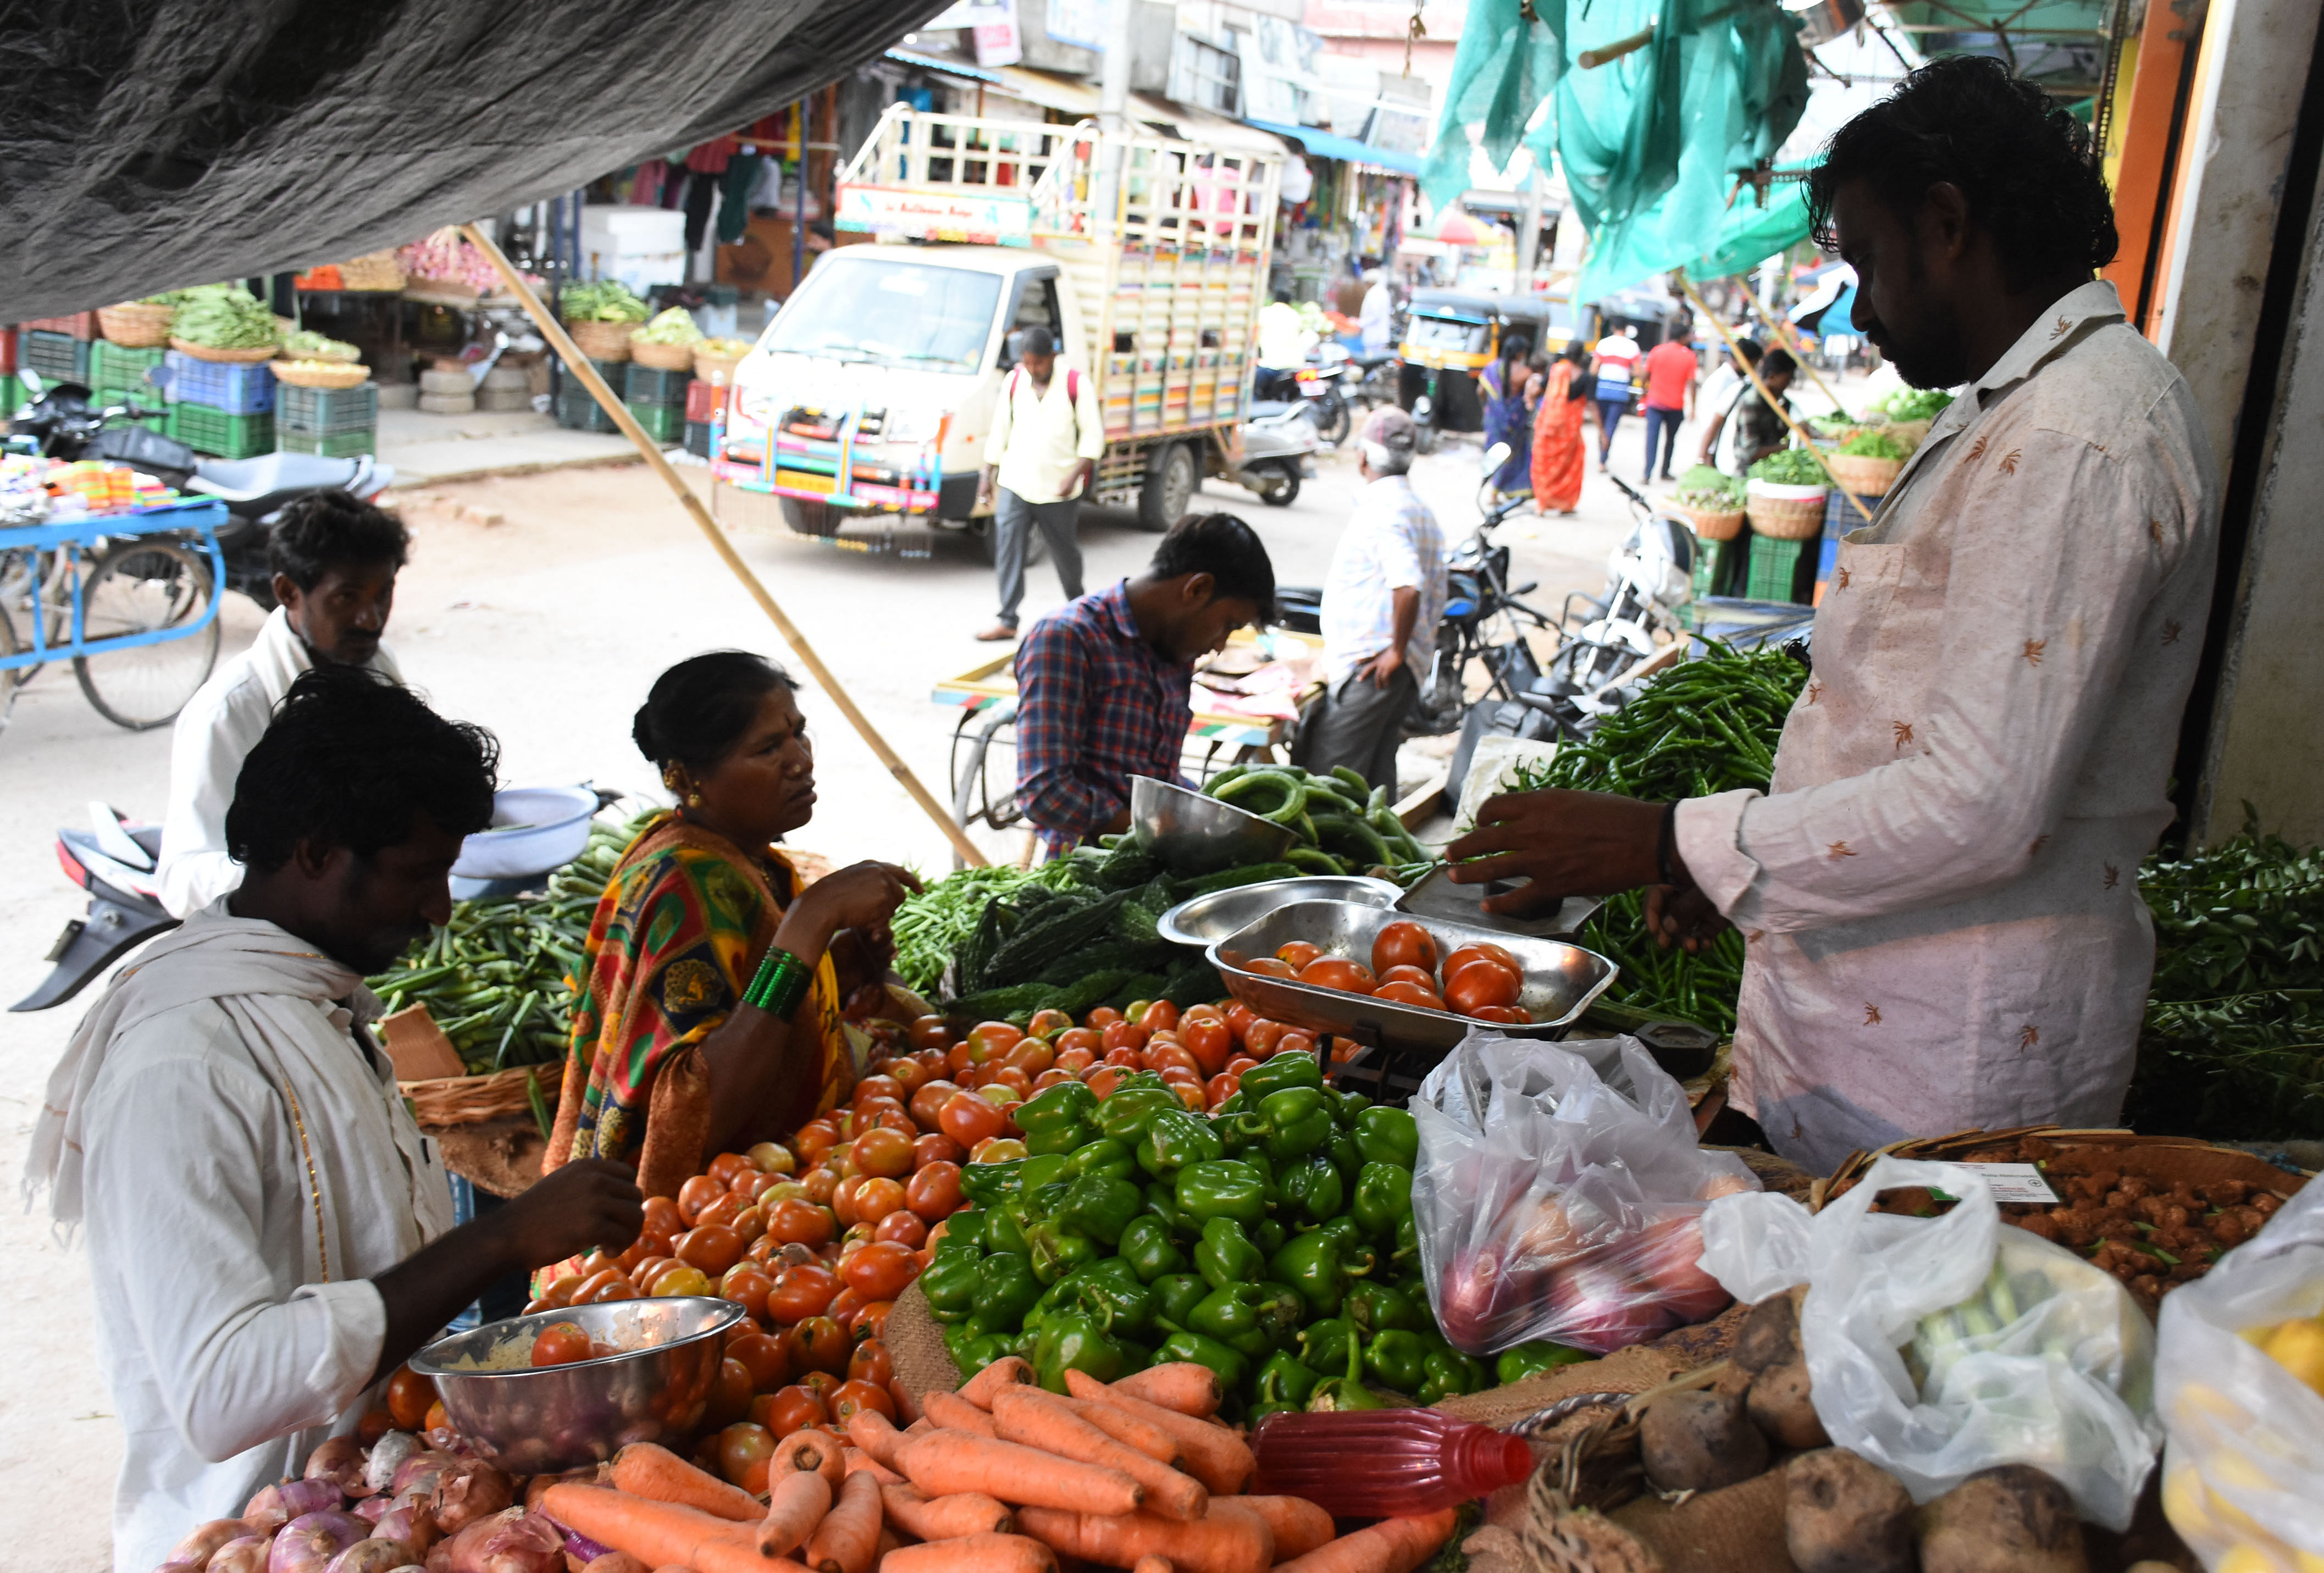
<point>146,587</point>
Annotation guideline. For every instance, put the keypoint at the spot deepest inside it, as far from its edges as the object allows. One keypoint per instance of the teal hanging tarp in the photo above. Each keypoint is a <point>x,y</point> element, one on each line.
<point>1650,143</point>
<point>1750,234</point>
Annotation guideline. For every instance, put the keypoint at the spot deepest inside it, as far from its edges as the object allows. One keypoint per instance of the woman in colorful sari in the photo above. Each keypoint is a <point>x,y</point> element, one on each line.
<point>713,979</point>
<point>1502,385</point>
<point>1560,452</point>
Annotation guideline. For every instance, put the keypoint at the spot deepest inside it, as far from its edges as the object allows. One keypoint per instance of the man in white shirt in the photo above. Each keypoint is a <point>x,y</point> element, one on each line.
<point>1618,358</point>
<point>335,562</point>
<point>1940,897</point>
<point>1048,434</point>
<point>1376,318</point>
<point>270,1235</point>
<point>1382,601</point>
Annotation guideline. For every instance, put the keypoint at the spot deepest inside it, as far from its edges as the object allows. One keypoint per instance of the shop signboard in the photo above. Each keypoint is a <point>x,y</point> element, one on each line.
<point>921,213</point>
<point>990,24</point>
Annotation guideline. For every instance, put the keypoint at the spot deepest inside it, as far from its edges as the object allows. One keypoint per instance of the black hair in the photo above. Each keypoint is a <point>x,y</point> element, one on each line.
<point>2027,167</point>
<point>1776,363</point>
<point>1750,349</point>
<point>331,530</point>
<point>698,710</point>
<point>1226,549</point>
<point>351,759</point>
<point>1035,340</point>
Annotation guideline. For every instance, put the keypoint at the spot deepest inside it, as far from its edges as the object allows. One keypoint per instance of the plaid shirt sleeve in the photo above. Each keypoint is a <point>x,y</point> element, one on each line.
<point>1054,720</point>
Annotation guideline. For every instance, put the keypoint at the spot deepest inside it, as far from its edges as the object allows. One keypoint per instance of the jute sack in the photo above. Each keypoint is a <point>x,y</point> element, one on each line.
<point>916,1345</point>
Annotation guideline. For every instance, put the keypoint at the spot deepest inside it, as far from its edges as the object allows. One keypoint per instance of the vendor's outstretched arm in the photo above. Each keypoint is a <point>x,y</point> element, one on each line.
<point>2056,550</point>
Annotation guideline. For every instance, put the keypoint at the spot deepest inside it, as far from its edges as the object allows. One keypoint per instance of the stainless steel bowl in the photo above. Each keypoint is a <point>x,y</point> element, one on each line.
<point>531,1422</point>
<point>1195,835</point>
<point>1561,980</point>
<point>1203,918</point>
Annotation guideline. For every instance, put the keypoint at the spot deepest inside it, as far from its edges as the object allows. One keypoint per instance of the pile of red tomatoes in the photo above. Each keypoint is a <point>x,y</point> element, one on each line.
<point>1479,981</point>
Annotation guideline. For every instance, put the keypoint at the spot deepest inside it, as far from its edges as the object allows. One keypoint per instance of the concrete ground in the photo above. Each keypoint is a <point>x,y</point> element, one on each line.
<point>547,626</point>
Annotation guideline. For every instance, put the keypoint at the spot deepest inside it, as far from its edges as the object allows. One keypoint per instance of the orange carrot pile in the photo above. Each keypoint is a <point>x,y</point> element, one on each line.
<point>999,1478</point>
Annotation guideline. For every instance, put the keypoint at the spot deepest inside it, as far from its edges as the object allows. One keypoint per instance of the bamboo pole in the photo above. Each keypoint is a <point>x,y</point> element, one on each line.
<point>1792,348</point>
<point>578,365</point>
<point>1774,403</point>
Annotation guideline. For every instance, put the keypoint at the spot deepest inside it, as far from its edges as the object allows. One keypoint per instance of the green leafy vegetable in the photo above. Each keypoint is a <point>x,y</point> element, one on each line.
<point>1710,488</point>
<point>601,300</point>
<point>306,345</point>
<point>1789,467</point>
<point>223,317</point>
<point>673,326</point>
<point>1916,403</point>
<point>1872,444</point>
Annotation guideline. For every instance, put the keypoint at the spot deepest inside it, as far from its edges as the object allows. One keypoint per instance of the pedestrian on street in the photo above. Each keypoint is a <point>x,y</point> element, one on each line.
<point>1047,437</point>
<point>1759,427</point>
<point>1559,449</point>
<point>1671,369</point>
<point>1381,602</point>
<point>1618,357</point>
<point>1725,389</point>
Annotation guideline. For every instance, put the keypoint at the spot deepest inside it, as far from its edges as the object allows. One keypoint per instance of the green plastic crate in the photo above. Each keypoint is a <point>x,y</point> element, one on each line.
<point>227,437</point>
<point>12,394</point>
<point>113,365</point>
<point>1714,565</point>
<point>1781,570</point>
<point>665,423</point>
<point>335,444</point>
<point>648,385</point>
<point>325,411</point>
<point>578,411</point>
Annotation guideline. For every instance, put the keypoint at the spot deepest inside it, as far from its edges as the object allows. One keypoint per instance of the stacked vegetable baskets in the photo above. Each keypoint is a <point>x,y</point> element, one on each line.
<point>1272,1243</point>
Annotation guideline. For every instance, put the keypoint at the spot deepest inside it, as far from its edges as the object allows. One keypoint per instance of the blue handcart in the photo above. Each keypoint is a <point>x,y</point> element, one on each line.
<point>129,595</point>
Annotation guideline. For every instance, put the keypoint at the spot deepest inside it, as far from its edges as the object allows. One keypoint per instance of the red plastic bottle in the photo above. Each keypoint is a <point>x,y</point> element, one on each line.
<point>1378,1463</point>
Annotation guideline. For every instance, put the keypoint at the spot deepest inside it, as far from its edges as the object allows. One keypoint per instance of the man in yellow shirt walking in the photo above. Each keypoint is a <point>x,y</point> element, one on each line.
<point>1047,435</point>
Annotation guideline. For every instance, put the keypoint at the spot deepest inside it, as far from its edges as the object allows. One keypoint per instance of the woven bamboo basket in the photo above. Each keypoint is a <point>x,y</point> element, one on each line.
<point>715,369</point>
<point>602,341</point>
<point>135,325</point>
<point>372,271</point>
<point>659,357</point>
<point>319,374</point>
<point>2081,1150</point>
<point>1786,512</point>
<point>472,1100</point>
<point>1863,475</point>
<point>1715,524</point>
<point>249,357</point>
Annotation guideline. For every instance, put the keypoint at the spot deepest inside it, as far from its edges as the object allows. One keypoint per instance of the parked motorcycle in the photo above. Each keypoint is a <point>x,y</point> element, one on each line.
<point>60,423</point>
<point>1278,452</point>
<point>115,860</point>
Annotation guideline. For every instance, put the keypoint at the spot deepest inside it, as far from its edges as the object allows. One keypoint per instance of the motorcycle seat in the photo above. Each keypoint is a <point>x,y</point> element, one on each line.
<point>270,481</point>
<point>1367,359</point>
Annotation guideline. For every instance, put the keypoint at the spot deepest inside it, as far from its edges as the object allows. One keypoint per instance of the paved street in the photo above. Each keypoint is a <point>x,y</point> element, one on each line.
<point>548,626</point>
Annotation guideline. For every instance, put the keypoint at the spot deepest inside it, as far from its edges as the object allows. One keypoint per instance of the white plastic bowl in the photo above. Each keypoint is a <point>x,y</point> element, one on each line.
<point>534,829</point>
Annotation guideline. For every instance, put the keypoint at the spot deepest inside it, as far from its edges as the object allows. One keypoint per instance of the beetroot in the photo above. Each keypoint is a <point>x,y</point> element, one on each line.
<point>307,1543</point>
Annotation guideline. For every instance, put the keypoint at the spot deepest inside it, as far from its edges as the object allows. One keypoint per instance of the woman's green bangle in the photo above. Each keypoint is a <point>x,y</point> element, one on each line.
<point>782,982</point>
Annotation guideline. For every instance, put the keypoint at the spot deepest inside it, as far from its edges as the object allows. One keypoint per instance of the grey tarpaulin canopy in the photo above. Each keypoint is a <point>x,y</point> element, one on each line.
<point>146,145</point>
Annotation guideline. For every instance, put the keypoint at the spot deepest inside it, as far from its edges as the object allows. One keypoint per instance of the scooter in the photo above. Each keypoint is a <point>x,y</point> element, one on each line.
<point>60,423</point>
<point>1278,453</point>
<point>115,861</point>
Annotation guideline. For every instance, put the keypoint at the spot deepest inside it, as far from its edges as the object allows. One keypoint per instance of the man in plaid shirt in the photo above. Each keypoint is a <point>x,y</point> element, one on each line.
<point>1104,684</point>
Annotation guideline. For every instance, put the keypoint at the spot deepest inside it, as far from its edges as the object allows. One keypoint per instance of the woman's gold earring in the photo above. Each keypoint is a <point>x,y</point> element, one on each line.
<point>694,800</point>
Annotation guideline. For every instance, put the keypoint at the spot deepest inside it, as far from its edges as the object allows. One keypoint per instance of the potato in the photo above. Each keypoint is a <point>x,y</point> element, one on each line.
<point>1700,1441</point>
<point>1780,1405</point>
<point>2012,1519</point>
<point>1843,1514</point>
<point>1770,1334</point>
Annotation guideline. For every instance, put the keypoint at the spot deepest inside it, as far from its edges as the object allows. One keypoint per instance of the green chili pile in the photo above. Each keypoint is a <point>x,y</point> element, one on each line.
<point>1706,725</point>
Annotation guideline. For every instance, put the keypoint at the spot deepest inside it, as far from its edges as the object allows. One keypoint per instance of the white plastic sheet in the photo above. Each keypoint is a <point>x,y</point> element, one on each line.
<point>2244,1467</point>
<point>1559,1193</point>
<point>2065,1384</point>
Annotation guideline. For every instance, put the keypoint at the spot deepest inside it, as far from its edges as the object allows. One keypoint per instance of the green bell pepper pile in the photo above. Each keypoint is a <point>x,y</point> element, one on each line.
<point>1273,1242</point>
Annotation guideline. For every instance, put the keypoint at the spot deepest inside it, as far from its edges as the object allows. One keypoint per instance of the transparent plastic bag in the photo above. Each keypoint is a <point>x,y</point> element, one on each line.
<point>1559,1193</point>
<point>2243,1477</point>
<point>1938,1346</point>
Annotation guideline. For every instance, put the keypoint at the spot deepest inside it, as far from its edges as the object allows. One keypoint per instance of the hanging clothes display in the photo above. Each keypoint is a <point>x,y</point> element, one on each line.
<point>734,188</point>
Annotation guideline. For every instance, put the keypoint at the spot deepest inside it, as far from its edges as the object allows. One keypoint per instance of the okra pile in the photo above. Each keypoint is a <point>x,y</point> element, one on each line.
<point>1272,1241</point>
<point>499,978</point>
<point>1345,825</point>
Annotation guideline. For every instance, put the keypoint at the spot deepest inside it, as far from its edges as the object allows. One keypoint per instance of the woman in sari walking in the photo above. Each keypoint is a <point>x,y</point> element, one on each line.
<point>1560,453</point>
<point>1502,388</point>
<point>714,979</point>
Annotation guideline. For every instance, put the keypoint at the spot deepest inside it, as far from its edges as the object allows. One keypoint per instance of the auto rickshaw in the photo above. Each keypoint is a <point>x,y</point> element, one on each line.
<point>1452,335</point>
